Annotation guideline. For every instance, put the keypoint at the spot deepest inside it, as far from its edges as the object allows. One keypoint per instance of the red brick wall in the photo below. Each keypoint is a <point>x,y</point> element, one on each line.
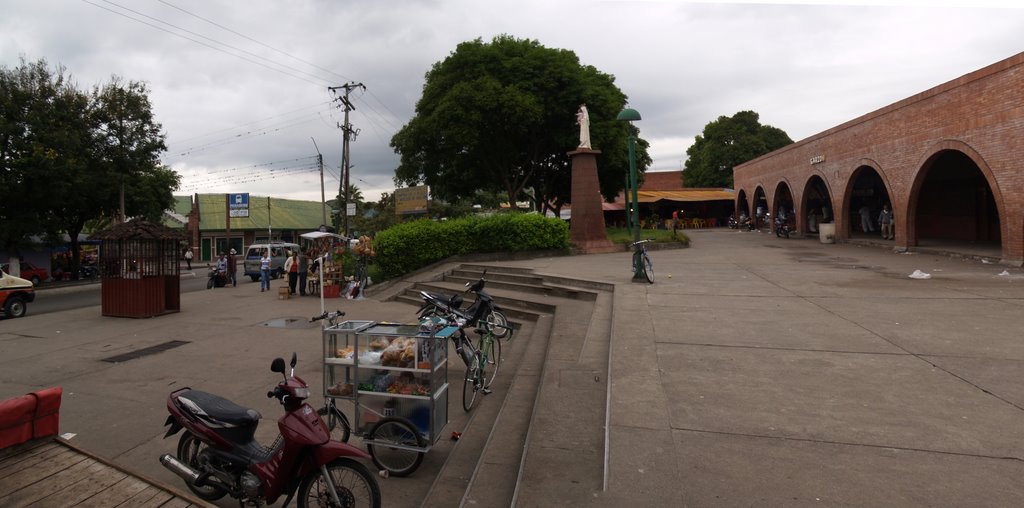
<point>980,114</point>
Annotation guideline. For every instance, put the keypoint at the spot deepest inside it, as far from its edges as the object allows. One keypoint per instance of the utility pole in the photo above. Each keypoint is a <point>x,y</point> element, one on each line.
<point>348,134</point>
<point>323,201</point>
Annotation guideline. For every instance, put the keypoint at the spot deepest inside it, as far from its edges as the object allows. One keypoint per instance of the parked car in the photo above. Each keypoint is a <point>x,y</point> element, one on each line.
<point>30,272</point>
<point>15,294</point>
<point>278,253</point>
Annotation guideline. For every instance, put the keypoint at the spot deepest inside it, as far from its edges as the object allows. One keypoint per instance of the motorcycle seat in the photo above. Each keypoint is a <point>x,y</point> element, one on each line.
<point>219,409</point>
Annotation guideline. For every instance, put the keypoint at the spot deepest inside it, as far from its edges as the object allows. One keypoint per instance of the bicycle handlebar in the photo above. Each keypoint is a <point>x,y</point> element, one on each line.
<point>327,315</point>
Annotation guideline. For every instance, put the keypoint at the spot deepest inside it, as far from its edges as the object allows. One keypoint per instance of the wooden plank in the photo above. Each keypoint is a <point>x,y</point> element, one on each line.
<point>48,486</point>
<point>38,472</point>
<point>30,457</point>
<point>177,502</point>
<point>141,497</point>
<point>100,478</point>
<point>116,494</point>
<point>22,448</point>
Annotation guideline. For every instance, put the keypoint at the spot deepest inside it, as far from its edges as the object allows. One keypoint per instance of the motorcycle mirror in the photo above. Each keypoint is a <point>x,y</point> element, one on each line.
<point>294,361</point>
<point>277,365</point>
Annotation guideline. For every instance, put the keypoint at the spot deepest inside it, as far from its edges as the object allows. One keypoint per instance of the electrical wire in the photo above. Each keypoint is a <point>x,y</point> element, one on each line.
<point>218,131</point>
<point>218,25</point>
<point>322,84</point>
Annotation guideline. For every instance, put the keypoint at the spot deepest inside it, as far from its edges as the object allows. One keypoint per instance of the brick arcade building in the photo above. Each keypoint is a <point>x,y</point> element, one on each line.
<point>949,161</point>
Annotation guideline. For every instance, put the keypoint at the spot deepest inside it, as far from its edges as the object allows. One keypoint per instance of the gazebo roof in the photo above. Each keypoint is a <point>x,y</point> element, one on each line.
<point>139,230</point>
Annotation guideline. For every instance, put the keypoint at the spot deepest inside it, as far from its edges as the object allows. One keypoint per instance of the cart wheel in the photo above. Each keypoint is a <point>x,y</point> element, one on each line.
<point>397,461</point>
<point>337,423</point>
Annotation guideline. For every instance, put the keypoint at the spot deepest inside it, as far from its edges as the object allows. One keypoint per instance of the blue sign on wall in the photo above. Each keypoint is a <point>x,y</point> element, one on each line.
<point>238,204</point>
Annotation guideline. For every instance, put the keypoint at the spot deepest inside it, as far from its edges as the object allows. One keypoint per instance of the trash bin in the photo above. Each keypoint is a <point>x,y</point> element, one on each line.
<point>827,232</point>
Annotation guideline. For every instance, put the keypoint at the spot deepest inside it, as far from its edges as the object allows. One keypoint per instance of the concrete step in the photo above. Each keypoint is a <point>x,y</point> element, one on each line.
<point>504,298</point>
<point>514,314</point>
<point>489,419</point>
<point>535,285</point>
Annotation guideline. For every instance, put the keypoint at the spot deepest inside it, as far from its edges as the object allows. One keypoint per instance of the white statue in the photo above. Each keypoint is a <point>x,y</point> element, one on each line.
<point>583,119</point>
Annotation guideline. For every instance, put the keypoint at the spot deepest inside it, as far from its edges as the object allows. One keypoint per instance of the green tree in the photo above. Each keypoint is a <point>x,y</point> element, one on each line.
<point>500,117</point>
<point>728,142</point>
<point>66,154</point>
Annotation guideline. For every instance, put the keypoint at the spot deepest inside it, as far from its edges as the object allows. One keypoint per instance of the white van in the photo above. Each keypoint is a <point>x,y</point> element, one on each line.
<point>278,253</point>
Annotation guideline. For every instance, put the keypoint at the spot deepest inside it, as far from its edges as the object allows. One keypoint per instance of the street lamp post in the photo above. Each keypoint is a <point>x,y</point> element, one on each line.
<point>630,115</point>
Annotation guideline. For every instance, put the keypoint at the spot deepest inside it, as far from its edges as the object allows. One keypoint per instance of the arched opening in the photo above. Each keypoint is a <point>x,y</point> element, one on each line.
<point>955,204</point>
<point>742,207</point>
<point>760,207</point>
<point>783,204</point>
<point>864,204</point>
<point>817,203</point>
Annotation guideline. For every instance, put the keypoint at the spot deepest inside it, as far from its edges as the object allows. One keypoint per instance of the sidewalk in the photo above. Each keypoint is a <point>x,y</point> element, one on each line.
<point>755,371</point>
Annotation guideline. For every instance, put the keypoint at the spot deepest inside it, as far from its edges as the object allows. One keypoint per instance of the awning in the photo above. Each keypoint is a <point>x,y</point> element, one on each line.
<point>315,235</point>
<point>686,195</point>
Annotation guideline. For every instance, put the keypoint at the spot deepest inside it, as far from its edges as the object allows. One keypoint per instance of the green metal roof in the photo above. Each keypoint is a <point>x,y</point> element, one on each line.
<point>282,213</point>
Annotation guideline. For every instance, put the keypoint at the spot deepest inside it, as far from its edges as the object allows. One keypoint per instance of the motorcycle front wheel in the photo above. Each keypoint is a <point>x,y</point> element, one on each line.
<point>352,481</point>
<point>495,317</point>
<point>189,449</point>
<point>209,284</point>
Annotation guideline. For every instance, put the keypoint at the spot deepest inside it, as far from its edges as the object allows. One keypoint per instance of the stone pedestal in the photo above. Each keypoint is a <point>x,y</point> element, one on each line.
<point>586,227</point>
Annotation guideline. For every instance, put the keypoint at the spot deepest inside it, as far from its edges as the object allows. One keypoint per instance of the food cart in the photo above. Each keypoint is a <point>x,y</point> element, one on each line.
<point>396,377</point>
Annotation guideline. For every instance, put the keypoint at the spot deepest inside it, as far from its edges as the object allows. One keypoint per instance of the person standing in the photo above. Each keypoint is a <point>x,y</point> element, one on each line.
<point>291,267</point>
<point>265,271</point>
<point>303,272</point>
<point>885,219</point>
<point>232,268</point>
<point>865,219</point>
<point>188,258</point>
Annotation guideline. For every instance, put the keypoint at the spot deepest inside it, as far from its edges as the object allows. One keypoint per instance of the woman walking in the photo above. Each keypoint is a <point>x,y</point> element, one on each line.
<point>265,271</point>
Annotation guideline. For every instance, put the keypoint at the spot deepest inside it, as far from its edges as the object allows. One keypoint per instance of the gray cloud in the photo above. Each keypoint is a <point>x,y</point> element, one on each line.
<point>804,68</point>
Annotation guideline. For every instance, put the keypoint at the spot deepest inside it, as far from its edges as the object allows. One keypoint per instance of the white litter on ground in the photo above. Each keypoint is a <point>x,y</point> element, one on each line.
<point>987,262</point>
<point>918,274</point>
<point>1006,273</point>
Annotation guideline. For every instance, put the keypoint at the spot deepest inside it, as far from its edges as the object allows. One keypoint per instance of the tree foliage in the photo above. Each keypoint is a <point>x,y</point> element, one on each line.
<point>728,142</point>
<point>65,154</point>
<point>500,117</point>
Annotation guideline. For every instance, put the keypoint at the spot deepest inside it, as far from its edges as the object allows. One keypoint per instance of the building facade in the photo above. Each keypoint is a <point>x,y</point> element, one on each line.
<point>949,161</point>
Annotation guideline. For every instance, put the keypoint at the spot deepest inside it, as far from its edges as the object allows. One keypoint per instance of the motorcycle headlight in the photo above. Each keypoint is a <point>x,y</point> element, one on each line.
<point>302,393</point>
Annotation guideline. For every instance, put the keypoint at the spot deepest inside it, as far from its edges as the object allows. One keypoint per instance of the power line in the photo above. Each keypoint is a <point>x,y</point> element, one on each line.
<point>218,25</point>
<point>218,131</point>
<point>203,43</point>
<point>238,137</point>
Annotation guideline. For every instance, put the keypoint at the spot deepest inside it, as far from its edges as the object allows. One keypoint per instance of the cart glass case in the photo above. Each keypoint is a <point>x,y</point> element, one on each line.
<point>389,369</point>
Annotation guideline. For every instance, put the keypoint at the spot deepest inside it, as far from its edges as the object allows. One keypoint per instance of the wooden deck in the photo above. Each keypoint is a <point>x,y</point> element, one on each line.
<point>53,472</point>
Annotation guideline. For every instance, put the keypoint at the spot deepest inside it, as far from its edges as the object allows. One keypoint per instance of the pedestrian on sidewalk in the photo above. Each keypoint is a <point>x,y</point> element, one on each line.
<point>265,271</point>
<point>303,272</point>
<point>885,219</point>
<point>291,267</point>
<point>865,219</point>
<point>188,258</point>
<point>232,268</point>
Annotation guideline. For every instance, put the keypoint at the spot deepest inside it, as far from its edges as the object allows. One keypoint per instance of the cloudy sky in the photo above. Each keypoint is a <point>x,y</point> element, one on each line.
<point>241,87</point>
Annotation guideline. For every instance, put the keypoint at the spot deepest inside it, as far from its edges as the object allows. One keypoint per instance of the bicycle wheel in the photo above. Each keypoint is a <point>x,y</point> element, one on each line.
<point>337,423</point>
<point>398,460</point>
<point>472,384</point>
<point>493,351</point>
<point>648,269</point>
<point>496,323</point>
<point>353,483</point>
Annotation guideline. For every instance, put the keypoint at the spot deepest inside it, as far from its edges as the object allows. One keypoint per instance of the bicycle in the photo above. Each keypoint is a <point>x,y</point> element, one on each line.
<point>484,355</point>
<point>642,267</point>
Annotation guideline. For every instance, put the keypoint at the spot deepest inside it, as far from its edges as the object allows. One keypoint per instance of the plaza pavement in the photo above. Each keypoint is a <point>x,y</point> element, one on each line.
<point>756,371</point>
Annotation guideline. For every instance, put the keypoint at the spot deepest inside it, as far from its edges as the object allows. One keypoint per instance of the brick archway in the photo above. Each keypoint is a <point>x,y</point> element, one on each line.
<point>935,154</point>
<point>844,224</point>
<point>816,187</point>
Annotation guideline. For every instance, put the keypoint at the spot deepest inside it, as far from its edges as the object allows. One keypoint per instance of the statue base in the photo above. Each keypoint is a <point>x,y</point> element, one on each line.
<point>586,227</point>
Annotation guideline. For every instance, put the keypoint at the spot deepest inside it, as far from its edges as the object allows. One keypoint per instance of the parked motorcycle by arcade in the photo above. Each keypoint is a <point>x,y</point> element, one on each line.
<point>217,454</point>
<point>781,226</point>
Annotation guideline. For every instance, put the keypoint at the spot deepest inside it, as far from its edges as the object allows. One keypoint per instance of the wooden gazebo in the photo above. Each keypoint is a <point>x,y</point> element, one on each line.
<point>139,269</point>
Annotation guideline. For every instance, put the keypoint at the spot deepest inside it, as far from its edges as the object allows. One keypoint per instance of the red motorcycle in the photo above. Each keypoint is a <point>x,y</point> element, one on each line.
<point>218,454</point>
